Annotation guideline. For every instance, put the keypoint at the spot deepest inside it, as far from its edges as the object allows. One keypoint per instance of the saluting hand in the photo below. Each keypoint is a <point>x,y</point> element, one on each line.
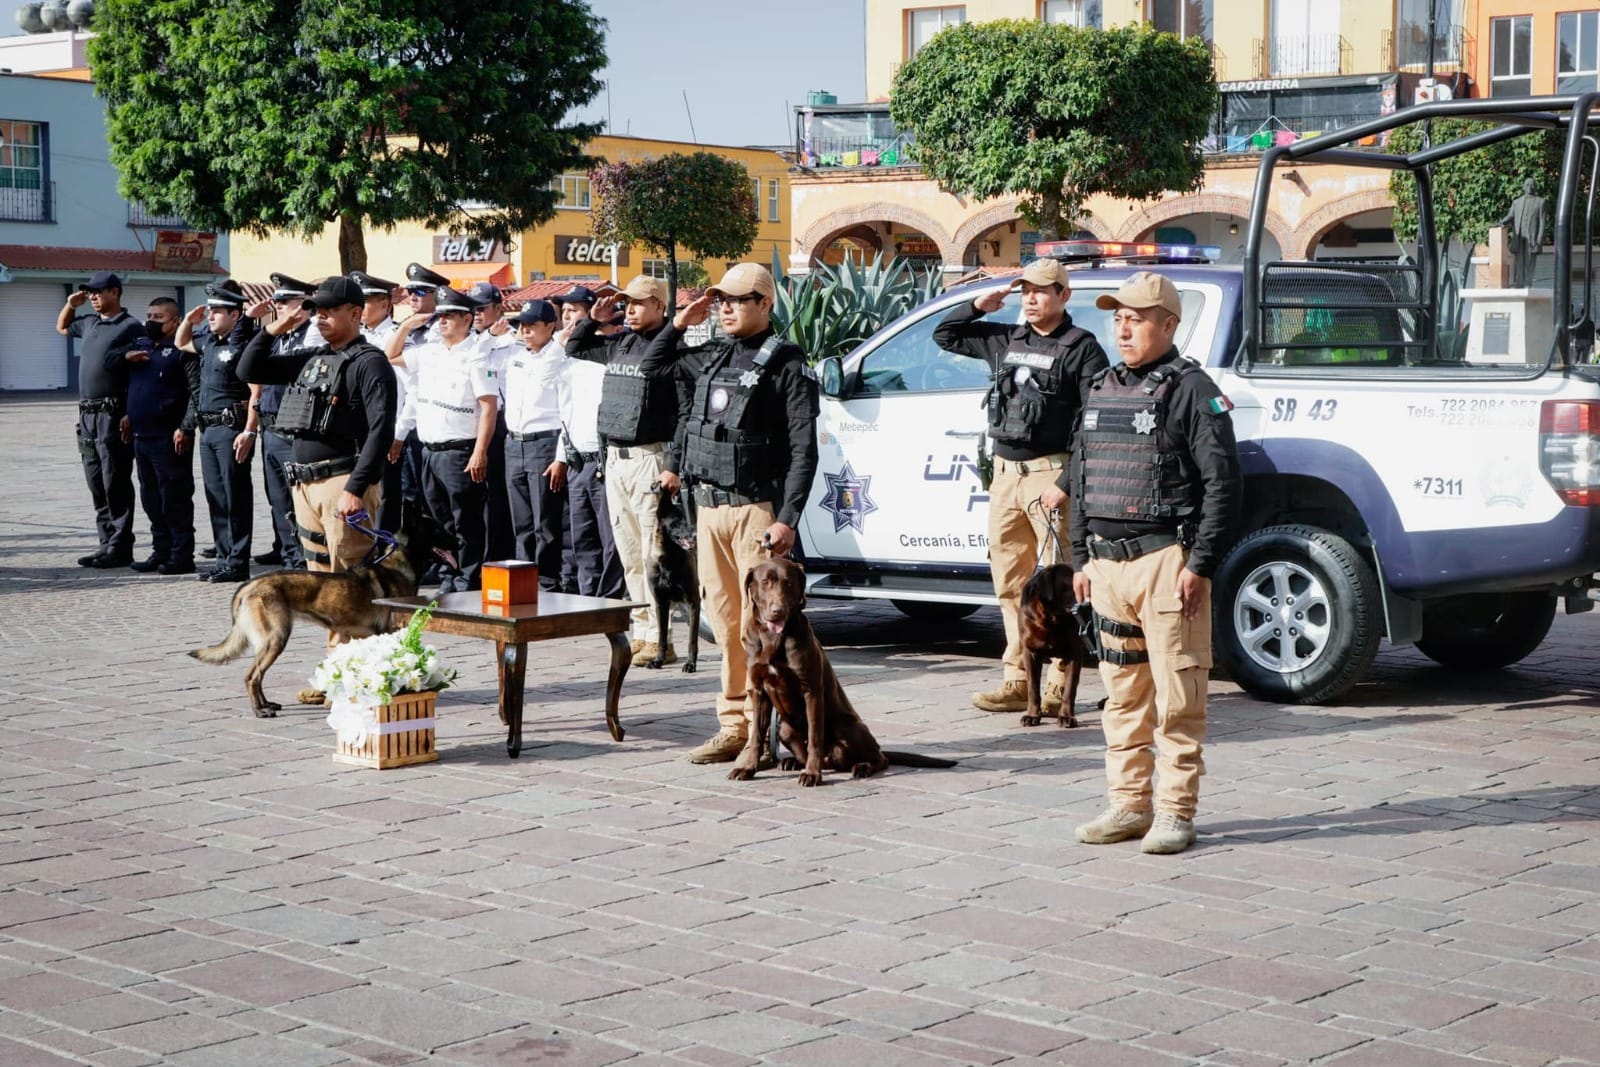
<point>196,316</point>
<point>259,309</point>
<point>695,313</point>
<point>989,302</point>
<point>77,298</point>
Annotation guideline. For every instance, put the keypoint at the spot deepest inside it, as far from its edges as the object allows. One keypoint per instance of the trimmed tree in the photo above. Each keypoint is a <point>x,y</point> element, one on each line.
<point>699,201</point>
<point>284,116</point>
<point>1056,114</point>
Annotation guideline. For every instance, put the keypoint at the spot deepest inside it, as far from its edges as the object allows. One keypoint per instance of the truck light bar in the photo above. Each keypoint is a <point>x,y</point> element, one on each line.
<point>1082,250</point>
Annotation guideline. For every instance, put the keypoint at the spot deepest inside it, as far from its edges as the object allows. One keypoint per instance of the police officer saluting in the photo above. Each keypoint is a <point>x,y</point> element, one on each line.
<point>457,397</point>
<point>533,420</point>
<point>103,445</point>
<point>218,331</point>
<point>638,419</point>
<point>1157,488</point>
<point>1040,372</point>
<point>276,448</point>
<point>498,343</point>
<point>339,411</point>
<point>163,391</point>
<point>749,447</point>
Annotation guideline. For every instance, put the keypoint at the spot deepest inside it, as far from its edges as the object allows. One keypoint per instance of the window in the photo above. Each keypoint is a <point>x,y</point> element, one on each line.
<point>772,200</point>
<point>923,23</point>
<point>654,268</point>
<point>755,197</point>
<point>1186,18</point>
<point>1577,66</point>
<point>574,190</point>
<point>909,362</point>
<point>1084,14</point>
<point>1411,33</point>
<point>1511,56</point>
<point>21,155</point>
<point>1305,37</point>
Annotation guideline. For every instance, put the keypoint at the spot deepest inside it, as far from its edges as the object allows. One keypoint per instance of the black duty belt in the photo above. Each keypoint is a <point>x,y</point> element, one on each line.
<point>1130,548</point>
<point>587,457</point>
<point>104,403</point>
<point>298,473</point>
<point>461,444</point>
<point>233,416</point>
<point>537,435</point>
<point>709,496</point>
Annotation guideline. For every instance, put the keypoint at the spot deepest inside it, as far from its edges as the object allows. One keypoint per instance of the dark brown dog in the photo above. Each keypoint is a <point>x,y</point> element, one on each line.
<point>1048,630</point>
<point>791,674</point>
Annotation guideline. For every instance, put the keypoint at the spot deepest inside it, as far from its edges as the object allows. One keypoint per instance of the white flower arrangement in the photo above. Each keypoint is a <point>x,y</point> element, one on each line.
<point>358,676</point>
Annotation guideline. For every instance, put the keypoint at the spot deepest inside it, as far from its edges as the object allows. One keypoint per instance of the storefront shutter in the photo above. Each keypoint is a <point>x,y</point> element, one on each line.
<point>32,354</point>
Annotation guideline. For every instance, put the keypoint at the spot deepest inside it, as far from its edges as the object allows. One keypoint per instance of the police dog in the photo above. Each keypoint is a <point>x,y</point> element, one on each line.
<point>1047,628</point>
<point>790,675</point>
<point>264,610</point>
<point>672,576</point>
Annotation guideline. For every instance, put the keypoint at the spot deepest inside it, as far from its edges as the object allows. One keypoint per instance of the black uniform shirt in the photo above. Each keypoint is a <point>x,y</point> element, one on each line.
<point>365,389</point>
<point>102,372</point>
<point>1209,456</point>
<point>162,391</point>
<point>962,332</point>
<point>220,384</point>
<point>784,405</point>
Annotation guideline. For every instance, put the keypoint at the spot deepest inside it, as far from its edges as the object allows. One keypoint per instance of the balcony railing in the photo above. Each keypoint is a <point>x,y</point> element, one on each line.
<point>1258,137</point>
<point>28,205</point>
<point>139,216</point>
<point>1408,48</point>
<point>1312,53</point>
<point>849,136</point>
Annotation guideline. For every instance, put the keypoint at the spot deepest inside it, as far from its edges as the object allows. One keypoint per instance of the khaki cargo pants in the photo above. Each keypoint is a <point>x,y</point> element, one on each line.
<point>1017,529</point>
<point>632,507</point>
<point>1159,704</point>
<point>729,546</point>
<point>316,508</point>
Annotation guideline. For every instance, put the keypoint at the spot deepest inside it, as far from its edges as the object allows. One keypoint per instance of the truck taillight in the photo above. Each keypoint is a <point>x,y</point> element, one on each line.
<point>1569,449</point>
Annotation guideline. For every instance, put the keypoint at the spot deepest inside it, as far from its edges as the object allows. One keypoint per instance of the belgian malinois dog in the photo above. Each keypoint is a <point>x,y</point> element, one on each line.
<point>264,610</point>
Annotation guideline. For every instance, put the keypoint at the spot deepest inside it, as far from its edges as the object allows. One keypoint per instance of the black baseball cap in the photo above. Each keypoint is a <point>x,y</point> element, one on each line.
<point>335,292</point>
<point>534,311</point>
<point>101,279</point>
<point>578,294</point>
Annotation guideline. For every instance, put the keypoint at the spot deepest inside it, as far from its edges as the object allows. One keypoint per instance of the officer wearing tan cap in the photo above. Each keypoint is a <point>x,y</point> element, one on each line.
<point>1156,484</point>
<point>637,420</point>
<point>1041,369</point>
<point>749,451</point>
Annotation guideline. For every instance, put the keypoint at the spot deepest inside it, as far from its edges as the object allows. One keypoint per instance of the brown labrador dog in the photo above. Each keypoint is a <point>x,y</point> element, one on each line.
<point>1048,630</point>
<point>790,674</point>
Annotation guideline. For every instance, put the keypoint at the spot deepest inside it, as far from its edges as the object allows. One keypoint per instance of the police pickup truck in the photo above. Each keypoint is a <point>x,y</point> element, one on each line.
<point>1431,482</point>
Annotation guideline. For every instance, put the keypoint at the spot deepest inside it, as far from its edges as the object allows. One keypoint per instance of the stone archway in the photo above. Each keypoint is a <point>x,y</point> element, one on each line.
<point>1325,218</point>
<point>1007,211</point>
<point>1200,204</point>
<point>839,224</point>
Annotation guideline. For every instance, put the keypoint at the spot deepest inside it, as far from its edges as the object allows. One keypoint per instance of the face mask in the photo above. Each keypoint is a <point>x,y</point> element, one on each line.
<point>154,330</point>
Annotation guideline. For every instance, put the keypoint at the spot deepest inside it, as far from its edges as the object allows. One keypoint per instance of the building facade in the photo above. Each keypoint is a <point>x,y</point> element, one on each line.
<point>560,248</point>
<point>1287,69</point>
<point>61,219</point>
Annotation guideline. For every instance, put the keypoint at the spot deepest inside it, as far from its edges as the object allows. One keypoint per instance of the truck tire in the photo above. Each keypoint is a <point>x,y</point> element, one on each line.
<point>1485,632</point>
<point>1297,615</point>
<point>933,610</point>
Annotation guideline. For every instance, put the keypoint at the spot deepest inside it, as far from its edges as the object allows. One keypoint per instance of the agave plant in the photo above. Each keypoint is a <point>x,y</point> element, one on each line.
<point>831,310</point>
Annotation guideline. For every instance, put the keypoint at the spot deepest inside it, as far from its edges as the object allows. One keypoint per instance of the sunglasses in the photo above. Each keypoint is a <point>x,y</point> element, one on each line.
<point>725,300</point>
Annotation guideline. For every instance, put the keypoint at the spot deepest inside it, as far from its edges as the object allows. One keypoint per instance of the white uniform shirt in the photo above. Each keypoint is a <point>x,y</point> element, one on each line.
<point>533,389</point>
<point>450,382</point>
<point>405,380</point>
<point>581,381</point>
<point>499,349</point>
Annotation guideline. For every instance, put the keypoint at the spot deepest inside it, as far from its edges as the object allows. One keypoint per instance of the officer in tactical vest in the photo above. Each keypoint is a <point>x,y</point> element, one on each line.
<point>1040,371</point>
<point>748,443</point>
<point>276,448</point>
<point>637,420</point>
<point>163,394</point>
<point>217,331</point>
<point>1156,485</point>
<point>339,409</point>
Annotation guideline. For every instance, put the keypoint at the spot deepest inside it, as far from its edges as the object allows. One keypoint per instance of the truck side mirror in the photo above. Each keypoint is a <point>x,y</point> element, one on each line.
<point>830,377</point>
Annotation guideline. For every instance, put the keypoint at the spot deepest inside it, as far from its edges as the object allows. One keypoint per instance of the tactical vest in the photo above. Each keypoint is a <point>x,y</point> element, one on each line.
<point>312,405</point>
<point>724,453</point>
<point>1132,465</point>
<point>272,395</point>
<point>1025,387</point>
<point>635,410</point>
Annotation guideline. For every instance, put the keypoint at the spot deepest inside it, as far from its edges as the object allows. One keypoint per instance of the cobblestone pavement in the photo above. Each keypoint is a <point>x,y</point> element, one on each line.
<point>1407,880</point>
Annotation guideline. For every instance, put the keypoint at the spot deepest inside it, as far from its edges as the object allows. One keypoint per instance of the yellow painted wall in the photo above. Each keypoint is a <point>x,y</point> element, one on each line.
<point>1544,14</point>
<point>253,258</point>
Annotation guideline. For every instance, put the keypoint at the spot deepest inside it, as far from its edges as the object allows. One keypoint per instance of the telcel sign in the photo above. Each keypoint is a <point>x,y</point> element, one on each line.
<point>586,249</point>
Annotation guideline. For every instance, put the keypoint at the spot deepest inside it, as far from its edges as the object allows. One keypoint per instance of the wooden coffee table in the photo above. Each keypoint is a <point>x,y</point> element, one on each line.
<point>512,627</point>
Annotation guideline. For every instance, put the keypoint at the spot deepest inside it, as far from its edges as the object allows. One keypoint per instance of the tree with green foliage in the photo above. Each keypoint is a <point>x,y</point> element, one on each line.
<point>1472,191</point>
<point>697,200</point>
<point>287,115</point>
<point>1057,114</point>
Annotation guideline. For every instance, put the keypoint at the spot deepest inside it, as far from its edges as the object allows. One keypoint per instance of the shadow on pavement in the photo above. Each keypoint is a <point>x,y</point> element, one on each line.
<point>1549,804</point>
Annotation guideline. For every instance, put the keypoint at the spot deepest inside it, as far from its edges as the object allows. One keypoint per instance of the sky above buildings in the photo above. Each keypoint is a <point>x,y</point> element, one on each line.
<point>712,71</point>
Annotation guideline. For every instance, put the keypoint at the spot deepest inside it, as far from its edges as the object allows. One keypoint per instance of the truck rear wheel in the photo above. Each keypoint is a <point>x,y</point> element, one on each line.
<point>1485,632</point>
<point>1297,615</point>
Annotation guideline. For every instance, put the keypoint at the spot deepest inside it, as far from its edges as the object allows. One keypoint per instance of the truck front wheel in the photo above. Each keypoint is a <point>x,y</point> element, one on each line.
<point>1485,632</point>
<point>1297,615</point>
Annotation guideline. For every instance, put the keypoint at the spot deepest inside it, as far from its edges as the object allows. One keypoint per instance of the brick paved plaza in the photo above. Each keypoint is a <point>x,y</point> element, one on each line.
<point>1408,880</point>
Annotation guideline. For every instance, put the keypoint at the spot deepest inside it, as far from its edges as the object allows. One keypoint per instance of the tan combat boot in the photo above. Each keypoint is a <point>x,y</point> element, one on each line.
<point>724,747</point>
<point>647,654</point>
<point>1113,825</point>
<point>1011,696</point>
<point>1171,833</point>
<point>1050,701</point>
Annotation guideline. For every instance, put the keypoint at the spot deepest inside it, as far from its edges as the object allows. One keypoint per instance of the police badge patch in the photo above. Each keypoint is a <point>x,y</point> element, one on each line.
<point>1144,422</point>
<point>846,499</point>
<point>749,378</point>
<point>719,400</point>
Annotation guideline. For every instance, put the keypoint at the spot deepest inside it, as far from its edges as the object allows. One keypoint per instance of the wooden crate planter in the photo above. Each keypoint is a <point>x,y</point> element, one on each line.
<point>405,735</point>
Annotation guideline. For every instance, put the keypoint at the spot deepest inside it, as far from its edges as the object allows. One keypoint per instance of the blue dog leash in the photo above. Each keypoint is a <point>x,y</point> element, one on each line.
<point>381,539</point>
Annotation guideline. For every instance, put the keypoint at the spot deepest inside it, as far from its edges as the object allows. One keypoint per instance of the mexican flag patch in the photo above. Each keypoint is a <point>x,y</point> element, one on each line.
<point>1221,405</point>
